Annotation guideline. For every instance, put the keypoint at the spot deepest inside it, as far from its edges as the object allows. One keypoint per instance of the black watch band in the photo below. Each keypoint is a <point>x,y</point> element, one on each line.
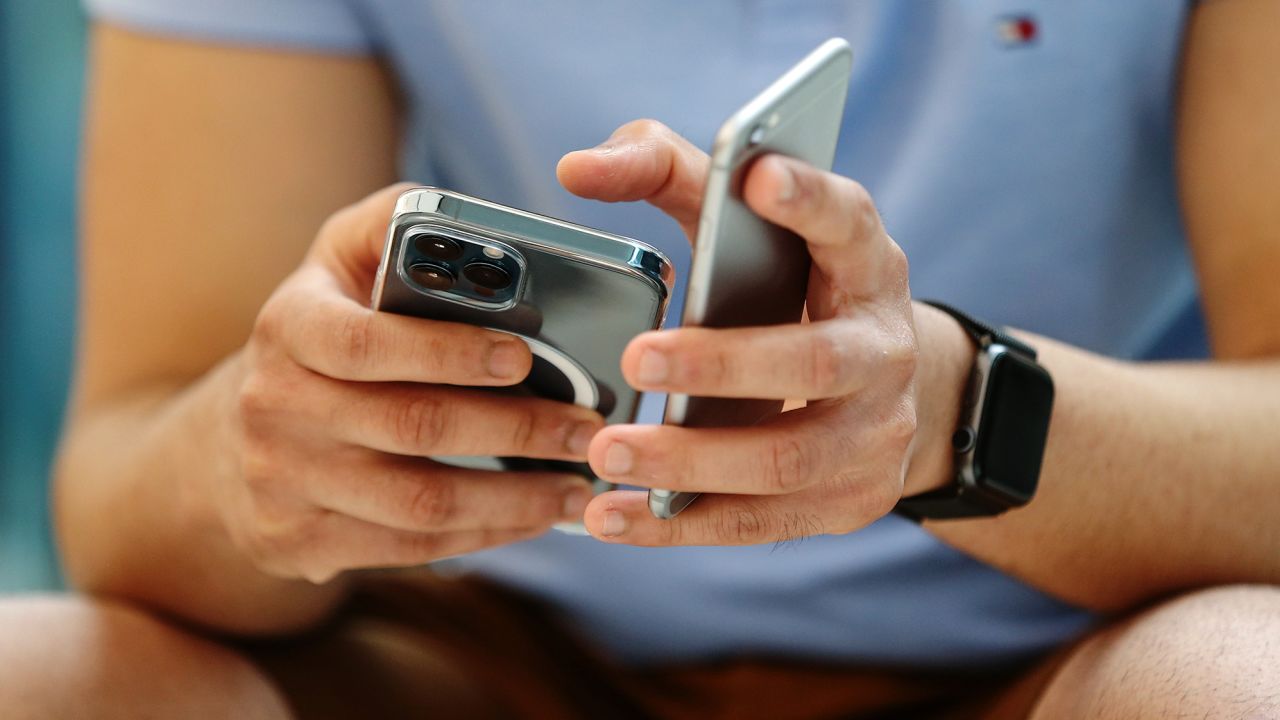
<point>957,500</point>
<point>982,333</point>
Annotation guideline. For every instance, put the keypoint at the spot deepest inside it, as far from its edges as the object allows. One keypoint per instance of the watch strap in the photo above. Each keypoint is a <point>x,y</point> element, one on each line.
<point>948,503</point>
<point>982,333</point>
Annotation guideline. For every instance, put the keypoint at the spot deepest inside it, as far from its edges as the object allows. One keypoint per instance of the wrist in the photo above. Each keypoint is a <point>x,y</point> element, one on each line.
<point>944,367</point>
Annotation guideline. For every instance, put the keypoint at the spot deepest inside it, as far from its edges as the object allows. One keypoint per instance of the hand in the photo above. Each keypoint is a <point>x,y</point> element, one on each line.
<point>339,407</point>
<point>832,466</point>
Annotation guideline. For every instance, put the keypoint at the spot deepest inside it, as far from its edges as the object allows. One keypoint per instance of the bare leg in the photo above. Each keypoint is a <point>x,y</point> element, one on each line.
<point>1206,655</point>
<point>69,657</point>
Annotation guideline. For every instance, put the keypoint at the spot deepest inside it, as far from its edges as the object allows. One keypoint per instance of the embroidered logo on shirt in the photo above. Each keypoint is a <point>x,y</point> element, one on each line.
<point>1017,30</point>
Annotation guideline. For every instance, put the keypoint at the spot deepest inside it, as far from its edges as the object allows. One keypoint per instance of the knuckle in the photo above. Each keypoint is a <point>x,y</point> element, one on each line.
<point>255,401</point>
<point>645,128</point>
<point>268,324</point>
<point>273,540</point>
<point>828,367</point>
<point>900,428</point>
<point>896,264</point>
<point>858,199</point>
<point>672,532</point>
<point>905,356</point>
<point>704,361</point>
<point>355,340</point>
<point>896,354</point>
<point>443,353</point>
<point>787,466</point>
<point>743,526</point>
<point>884,496</point>
<point>433,504</point>
<point>420,421</point>
<point>259,464</point>
<point>524,429</point>
<point>419,547</point>
<point>298,545</point>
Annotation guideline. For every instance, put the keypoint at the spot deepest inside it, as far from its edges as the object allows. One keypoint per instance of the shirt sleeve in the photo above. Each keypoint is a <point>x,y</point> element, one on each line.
<point>326,25</point>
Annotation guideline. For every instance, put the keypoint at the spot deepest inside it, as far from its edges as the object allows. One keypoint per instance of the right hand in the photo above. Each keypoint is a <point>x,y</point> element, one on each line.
<point>339,408</point>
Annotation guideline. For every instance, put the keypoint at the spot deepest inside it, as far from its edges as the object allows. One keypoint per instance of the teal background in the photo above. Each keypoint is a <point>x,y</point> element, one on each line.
<point>41,71</point>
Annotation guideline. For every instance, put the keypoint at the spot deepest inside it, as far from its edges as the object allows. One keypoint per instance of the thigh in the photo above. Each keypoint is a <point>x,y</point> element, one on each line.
<point>71,657</point>
<point>1208,654</point>
<point>412,644</point>
<point>416,645</point>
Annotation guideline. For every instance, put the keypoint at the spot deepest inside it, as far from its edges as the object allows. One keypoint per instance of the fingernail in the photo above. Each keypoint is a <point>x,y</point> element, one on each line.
<point>604,148</point>
<point>654,368</point>
<point>786,184</point>
<point>575,503</point>
<point>580,438</point>
<point>505,359</point>
<point>618,459</point>
<point>614,524</point>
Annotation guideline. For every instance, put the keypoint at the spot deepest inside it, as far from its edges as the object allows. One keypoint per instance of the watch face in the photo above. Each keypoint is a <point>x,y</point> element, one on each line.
<point>1013,428</point>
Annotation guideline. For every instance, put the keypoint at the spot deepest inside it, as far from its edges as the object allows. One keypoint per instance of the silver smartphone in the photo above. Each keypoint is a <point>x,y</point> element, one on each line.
<point>748,272</point>
<point>575,295</point>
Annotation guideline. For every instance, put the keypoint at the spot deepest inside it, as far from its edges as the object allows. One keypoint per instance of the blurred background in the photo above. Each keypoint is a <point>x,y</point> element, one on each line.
<point>41,71</point>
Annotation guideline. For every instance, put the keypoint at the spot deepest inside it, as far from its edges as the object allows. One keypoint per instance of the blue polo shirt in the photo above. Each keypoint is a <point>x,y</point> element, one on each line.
<point>1021,153</point>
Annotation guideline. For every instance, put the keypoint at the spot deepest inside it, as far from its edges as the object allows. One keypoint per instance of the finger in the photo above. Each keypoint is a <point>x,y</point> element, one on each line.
<point>624,517</point>
<point>409,419</point>
<point>794,451</point>
<point>333,335</point>
<point>837,219</point>
<point>342,543</point>
<point>642,160</point>
<point>351,239</point>
<point>781,456</point>
<point>424,496</point>
<point>813,361</point>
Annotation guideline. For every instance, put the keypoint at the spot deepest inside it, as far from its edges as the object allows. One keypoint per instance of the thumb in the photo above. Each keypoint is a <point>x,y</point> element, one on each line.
<point>349,244</point>
<point>642,160</point>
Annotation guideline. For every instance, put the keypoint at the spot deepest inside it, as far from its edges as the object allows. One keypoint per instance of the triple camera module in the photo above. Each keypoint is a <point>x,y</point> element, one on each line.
<point>468,269</point>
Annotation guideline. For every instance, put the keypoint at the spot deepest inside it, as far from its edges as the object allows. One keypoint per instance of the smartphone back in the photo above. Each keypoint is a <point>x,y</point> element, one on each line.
<point>577,295</point>
<point>746,271</point>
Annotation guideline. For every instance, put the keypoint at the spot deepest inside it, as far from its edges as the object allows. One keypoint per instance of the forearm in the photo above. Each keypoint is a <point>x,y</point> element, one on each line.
<point>1157,477</point>
<point>136,519</point>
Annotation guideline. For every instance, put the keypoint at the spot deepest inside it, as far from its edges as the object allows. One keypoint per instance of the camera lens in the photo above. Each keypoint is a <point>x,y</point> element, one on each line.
<point>432,277</point>
<point>438,247</point>
<point>487,275</point>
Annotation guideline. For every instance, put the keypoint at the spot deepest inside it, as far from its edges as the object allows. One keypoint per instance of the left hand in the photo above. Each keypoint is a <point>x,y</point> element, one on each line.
<point>833,466</point>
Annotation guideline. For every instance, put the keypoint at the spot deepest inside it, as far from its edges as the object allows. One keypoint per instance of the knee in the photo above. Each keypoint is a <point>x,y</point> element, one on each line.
<point>1214,653</point>
<point>66,656</point>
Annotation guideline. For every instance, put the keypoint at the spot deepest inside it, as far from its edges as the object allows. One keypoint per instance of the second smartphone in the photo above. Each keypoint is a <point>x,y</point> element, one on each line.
<point>746,271</point>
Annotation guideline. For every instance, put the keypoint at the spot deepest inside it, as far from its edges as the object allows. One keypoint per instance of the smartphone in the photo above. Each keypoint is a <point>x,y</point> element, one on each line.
<point>746,271</point>
<point>575,295</point>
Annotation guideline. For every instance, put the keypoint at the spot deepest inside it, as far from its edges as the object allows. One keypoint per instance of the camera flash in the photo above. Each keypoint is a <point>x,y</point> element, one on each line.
<point>493,252</point>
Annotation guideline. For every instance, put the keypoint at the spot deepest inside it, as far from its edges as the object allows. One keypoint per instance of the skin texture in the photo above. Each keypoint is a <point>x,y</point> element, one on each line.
<point>1158,478</point>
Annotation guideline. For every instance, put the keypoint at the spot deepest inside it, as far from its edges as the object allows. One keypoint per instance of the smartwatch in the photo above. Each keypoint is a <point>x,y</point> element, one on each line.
<point>1003,427</point>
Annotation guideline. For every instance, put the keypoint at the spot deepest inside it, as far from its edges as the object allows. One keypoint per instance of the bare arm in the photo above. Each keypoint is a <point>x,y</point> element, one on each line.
<point>244,432</point>
<point>196,178</point>
<point>1158,477</point>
